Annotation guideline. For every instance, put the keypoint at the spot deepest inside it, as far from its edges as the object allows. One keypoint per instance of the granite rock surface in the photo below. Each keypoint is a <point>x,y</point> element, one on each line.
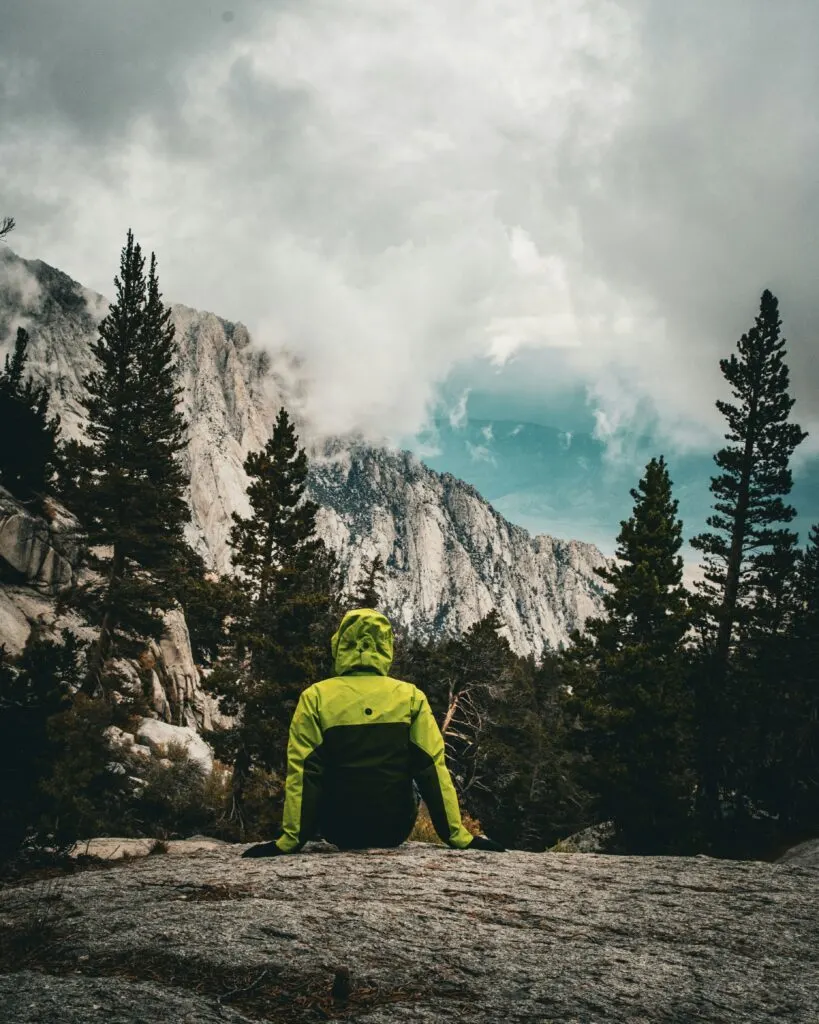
<point>419,934</point>
<point>36,550</point>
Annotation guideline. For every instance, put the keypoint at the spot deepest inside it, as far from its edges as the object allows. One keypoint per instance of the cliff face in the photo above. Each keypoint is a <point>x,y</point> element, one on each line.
<point>39,559</point>
<point>420,934</point>
<point>450,557</point>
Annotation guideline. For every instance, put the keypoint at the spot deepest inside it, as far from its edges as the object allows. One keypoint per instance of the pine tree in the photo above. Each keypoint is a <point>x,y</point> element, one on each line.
<point>159,437</point>
<point>7,225</point>
<point>27,456</point>
<point>282,623</point>
<point>745,543</point>
<point>805,736</point>
<point>368,593</point>
<point>789,790</point>
<point>126,485</point>
<point>278,540</point>
<point>627,673</point>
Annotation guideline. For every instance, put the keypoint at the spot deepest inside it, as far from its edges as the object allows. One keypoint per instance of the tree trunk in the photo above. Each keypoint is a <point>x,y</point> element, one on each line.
<point>101,650</point>
<point>241,774</point>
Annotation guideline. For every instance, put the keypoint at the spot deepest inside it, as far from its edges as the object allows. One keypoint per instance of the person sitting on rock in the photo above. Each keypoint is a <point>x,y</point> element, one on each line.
<point>362,746</point>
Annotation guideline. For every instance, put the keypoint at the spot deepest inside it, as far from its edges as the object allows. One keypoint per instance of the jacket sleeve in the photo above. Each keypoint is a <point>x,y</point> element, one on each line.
<point>432,775</point>
<point>305,770</point>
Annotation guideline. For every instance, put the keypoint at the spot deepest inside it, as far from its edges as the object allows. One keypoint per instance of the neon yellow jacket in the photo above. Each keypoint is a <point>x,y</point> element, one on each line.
<point>357,741</point>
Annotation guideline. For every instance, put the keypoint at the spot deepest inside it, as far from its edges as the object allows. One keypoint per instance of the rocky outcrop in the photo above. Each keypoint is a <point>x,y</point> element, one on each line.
<point>594,839</point>
<point>160,736</point>
<point>39,556</point>
<point>450,556</point>
<point>176,684</point>
<point>804,855</point>
<point>420,934</point>
<point>36,550</point>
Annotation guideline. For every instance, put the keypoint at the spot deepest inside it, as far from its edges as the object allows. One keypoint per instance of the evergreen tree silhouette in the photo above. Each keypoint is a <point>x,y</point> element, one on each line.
<point>369,591</point>
<point>126,484</point>
<point>627,673</point>
<point>29,436</point>
<point>746,552</point>
<point>283,619</point>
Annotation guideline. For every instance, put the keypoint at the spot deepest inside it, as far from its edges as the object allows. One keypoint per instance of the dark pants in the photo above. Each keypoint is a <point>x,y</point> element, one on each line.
<point>382,831</point>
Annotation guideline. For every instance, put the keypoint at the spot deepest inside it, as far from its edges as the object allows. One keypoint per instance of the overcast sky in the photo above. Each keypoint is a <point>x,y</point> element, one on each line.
<point>540,197</point>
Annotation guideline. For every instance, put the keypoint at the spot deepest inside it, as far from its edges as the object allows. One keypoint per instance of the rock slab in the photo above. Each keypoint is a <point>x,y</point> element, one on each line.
<point>427,934</point>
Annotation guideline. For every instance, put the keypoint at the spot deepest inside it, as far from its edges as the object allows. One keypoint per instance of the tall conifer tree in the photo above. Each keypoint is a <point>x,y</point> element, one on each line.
<point>281,626</point>
<point>746,551</point>
<point>159,436</point>
<point>129,486</point>
<point>789,776</point>
<point>628,677</point>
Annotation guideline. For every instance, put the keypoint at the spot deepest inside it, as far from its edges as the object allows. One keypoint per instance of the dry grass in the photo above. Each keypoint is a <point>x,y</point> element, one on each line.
<point>424,831</point>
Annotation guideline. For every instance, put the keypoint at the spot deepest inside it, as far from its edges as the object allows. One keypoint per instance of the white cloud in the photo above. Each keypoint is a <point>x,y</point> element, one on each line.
<point>393,190</point>
<point>479,453</point>
<point>23,288</point>
<point>458,414</point>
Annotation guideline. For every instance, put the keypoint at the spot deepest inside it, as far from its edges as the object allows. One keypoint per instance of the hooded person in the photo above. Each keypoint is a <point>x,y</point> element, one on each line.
<point>362,745</point>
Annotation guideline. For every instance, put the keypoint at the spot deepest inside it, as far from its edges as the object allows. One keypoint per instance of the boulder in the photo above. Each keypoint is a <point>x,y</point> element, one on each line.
<point>118,737</point>
<point>14,624</point>
<point>160,735</point>
<point>421,933</point>
<point>111,848</point>
<point>594,839</point>
<point>805,854</point>
<point>36,550</point>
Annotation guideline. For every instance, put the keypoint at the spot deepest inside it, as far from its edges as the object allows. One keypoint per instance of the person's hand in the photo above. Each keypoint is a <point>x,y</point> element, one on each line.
<point>263,850</point>
<point>485,843</point>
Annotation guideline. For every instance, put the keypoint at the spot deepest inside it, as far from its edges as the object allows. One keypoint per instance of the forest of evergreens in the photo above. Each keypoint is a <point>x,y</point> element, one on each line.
<point>688,719</point>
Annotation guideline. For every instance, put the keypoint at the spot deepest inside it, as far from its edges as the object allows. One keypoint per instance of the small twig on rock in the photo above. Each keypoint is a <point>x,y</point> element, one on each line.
<point>228,996</point>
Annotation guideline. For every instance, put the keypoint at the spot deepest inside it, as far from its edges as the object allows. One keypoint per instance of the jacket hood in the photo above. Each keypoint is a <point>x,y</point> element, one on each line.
<point>363,643</point>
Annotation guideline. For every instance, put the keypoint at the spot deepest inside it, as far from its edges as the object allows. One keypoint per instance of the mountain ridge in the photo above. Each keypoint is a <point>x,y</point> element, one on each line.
<point>450,555</point>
